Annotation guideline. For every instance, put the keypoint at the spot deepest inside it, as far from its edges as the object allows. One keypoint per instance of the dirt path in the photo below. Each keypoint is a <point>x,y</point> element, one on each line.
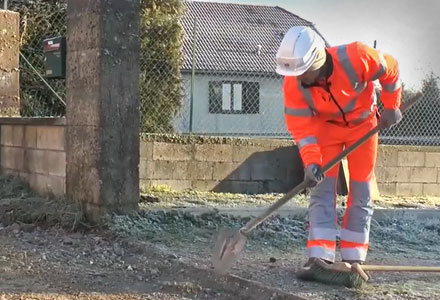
<point>401,241</point>
<point>52,264</point>
<point>166,255</point>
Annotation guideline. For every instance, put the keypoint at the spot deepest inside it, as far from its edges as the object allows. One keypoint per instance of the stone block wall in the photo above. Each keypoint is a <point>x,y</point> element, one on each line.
<point>35,151</point>
<point>408,171</point>
<point>219,164</point>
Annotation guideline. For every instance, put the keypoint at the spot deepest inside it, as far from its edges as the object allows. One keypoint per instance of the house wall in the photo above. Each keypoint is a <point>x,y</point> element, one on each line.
<point>268,122</point>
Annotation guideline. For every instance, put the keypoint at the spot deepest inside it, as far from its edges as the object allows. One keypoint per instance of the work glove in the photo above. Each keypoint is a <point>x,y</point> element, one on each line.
<point>313,175</point>
<point>389,118</point>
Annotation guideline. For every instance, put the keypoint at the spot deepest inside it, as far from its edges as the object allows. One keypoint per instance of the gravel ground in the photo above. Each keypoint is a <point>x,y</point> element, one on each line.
<point>163,197</point>
<point>54,264</point>
<point>275,251</point>
<point>48,252</point>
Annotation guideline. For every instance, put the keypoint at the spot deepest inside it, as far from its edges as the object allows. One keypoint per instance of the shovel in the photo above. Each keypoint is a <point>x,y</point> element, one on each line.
<point>230,243</point>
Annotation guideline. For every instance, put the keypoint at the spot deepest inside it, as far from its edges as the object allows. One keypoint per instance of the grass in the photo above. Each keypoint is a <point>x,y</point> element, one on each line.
<point>19,204</point>
<point>164,197</point>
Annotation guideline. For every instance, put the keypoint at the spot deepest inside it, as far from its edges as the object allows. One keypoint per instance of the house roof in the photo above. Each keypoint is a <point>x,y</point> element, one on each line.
<point>228,36</point>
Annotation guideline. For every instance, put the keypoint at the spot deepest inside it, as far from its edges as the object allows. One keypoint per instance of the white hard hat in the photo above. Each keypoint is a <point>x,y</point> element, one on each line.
<point>298,51</point>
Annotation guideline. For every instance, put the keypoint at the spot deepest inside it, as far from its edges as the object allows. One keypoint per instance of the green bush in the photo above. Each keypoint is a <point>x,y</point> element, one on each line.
<point>161,58</point>
<point>161,47</point>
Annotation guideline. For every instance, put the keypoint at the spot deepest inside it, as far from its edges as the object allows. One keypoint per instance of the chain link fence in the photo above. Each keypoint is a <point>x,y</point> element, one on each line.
<point>39,20</point>
<point>421,124</point>
<point>228,83</point>
<point>206,69</point>
<point>228,86</point>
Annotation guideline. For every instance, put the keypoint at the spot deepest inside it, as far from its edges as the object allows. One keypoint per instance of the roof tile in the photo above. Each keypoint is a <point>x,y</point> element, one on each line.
<point>228,36</point>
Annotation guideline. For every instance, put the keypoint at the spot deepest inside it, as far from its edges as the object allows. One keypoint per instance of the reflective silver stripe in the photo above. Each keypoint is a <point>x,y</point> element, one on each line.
<point>348,66</point>
<point>354,254</point>
<point>356,237</point>
<point>362,117</point>
<point>379,73</point>
<point>321,252</point>
<point>322,233</point>
<point>382,68</point>
<point>348,108</point>
<point>307,141</point>
<point>307,96</point>
<point>391,87</point>
<point>298,112</point>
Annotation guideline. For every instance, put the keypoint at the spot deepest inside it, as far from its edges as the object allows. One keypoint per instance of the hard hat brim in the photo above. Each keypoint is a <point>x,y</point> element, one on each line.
<point>286,72</point>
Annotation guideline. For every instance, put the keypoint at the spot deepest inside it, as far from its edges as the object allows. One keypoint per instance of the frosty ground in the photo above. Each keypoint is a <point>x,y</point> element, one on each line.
<point>161,252</point>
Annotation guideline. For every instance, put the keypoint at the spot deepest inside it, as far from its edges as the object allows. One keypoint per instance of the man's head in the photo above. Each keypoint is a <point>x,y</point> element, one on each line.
<point>301,53</point>
<point>312,74</point>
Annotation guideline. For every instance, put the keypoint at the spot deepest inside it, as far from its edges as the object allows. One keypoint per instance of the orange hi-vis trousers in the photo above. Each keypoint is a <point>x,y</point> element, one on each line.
<point>322,208</point>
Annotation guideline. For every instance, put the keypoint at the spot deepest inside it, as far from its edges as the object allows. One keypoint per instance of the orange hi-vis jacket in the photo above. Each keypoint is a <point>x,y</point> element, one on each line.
<point>349,100</point>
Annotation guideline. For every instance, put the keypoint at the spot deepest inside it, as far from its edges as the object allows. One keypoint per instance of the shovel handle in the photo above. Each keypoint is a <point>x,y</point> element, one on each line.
<point>297,189</point>
<point>268,212</point>
<point>400,268</point>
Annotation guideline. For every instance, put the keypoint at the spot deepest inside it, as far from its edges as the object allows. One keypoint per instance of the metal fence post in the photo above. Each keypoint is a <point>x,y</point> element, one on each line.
<point>193,70</point>
<point>5,3</point>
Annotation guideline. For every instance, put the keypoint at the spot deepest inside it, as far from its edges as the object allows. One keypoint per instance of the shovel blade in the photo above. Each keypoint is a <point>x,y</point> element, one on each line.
<point>229,245</point>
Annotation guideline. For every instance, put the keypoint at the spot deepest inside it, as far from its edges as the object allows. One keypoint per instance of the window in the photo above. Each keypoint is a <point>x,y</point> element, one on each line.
<point>234,97</point>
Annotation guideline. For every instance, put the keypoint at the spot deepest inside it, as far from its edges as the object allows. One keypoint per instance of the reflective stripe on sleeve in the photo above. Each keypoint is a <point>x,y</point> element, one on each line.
<point>391,87</point>
<point>306,141</point>
<point>348,66</point>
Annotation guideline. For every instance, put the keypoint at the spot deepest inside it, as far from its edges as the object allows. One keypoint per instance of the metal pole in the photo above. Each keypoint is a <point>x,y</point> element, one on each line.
<point>193,74</point>
<point>42,78</point>
<point>5,3</point>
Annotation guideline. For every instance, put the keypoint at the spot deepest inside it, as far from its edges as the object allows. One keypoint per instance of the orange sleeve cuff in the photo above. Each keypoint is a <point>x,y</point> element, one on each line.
<point>391,100</point>
<point>311,154</point>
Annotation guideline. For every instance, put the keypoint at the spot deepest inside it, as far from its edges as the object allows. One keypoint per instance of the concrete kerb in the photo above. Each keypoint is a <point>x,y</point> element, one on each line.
<point>379,213</point>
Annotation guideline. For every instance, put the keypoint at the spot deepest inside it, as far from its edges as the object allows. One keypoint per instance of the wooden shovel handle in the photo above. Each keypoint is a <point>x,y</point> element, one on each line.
<point>400,268</point>
<point>283,200</point>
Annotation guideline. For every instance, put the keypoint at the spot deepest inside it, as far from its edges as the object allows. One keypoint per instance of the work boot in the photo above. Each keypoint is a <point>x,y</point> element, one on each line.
<point>308,272</point>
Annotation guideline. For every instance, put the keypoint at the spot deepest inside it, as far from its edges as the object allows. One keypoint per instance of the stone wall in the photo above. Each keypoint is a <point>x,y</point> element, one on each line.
<point>9,63</point>
<point>408,171</point>
<point>219,164</point>
<point>34,149</point>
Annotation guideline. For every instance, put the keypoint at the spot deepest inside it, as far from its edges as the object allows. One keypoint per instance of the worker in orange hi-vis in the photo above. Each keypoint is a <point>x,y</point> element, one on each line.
<point>330,102</point>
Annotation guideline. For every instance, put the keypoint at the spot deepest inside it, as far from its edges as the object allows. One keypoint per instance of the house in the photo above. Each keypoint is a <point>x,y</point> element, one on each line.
<point>229,80</point>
